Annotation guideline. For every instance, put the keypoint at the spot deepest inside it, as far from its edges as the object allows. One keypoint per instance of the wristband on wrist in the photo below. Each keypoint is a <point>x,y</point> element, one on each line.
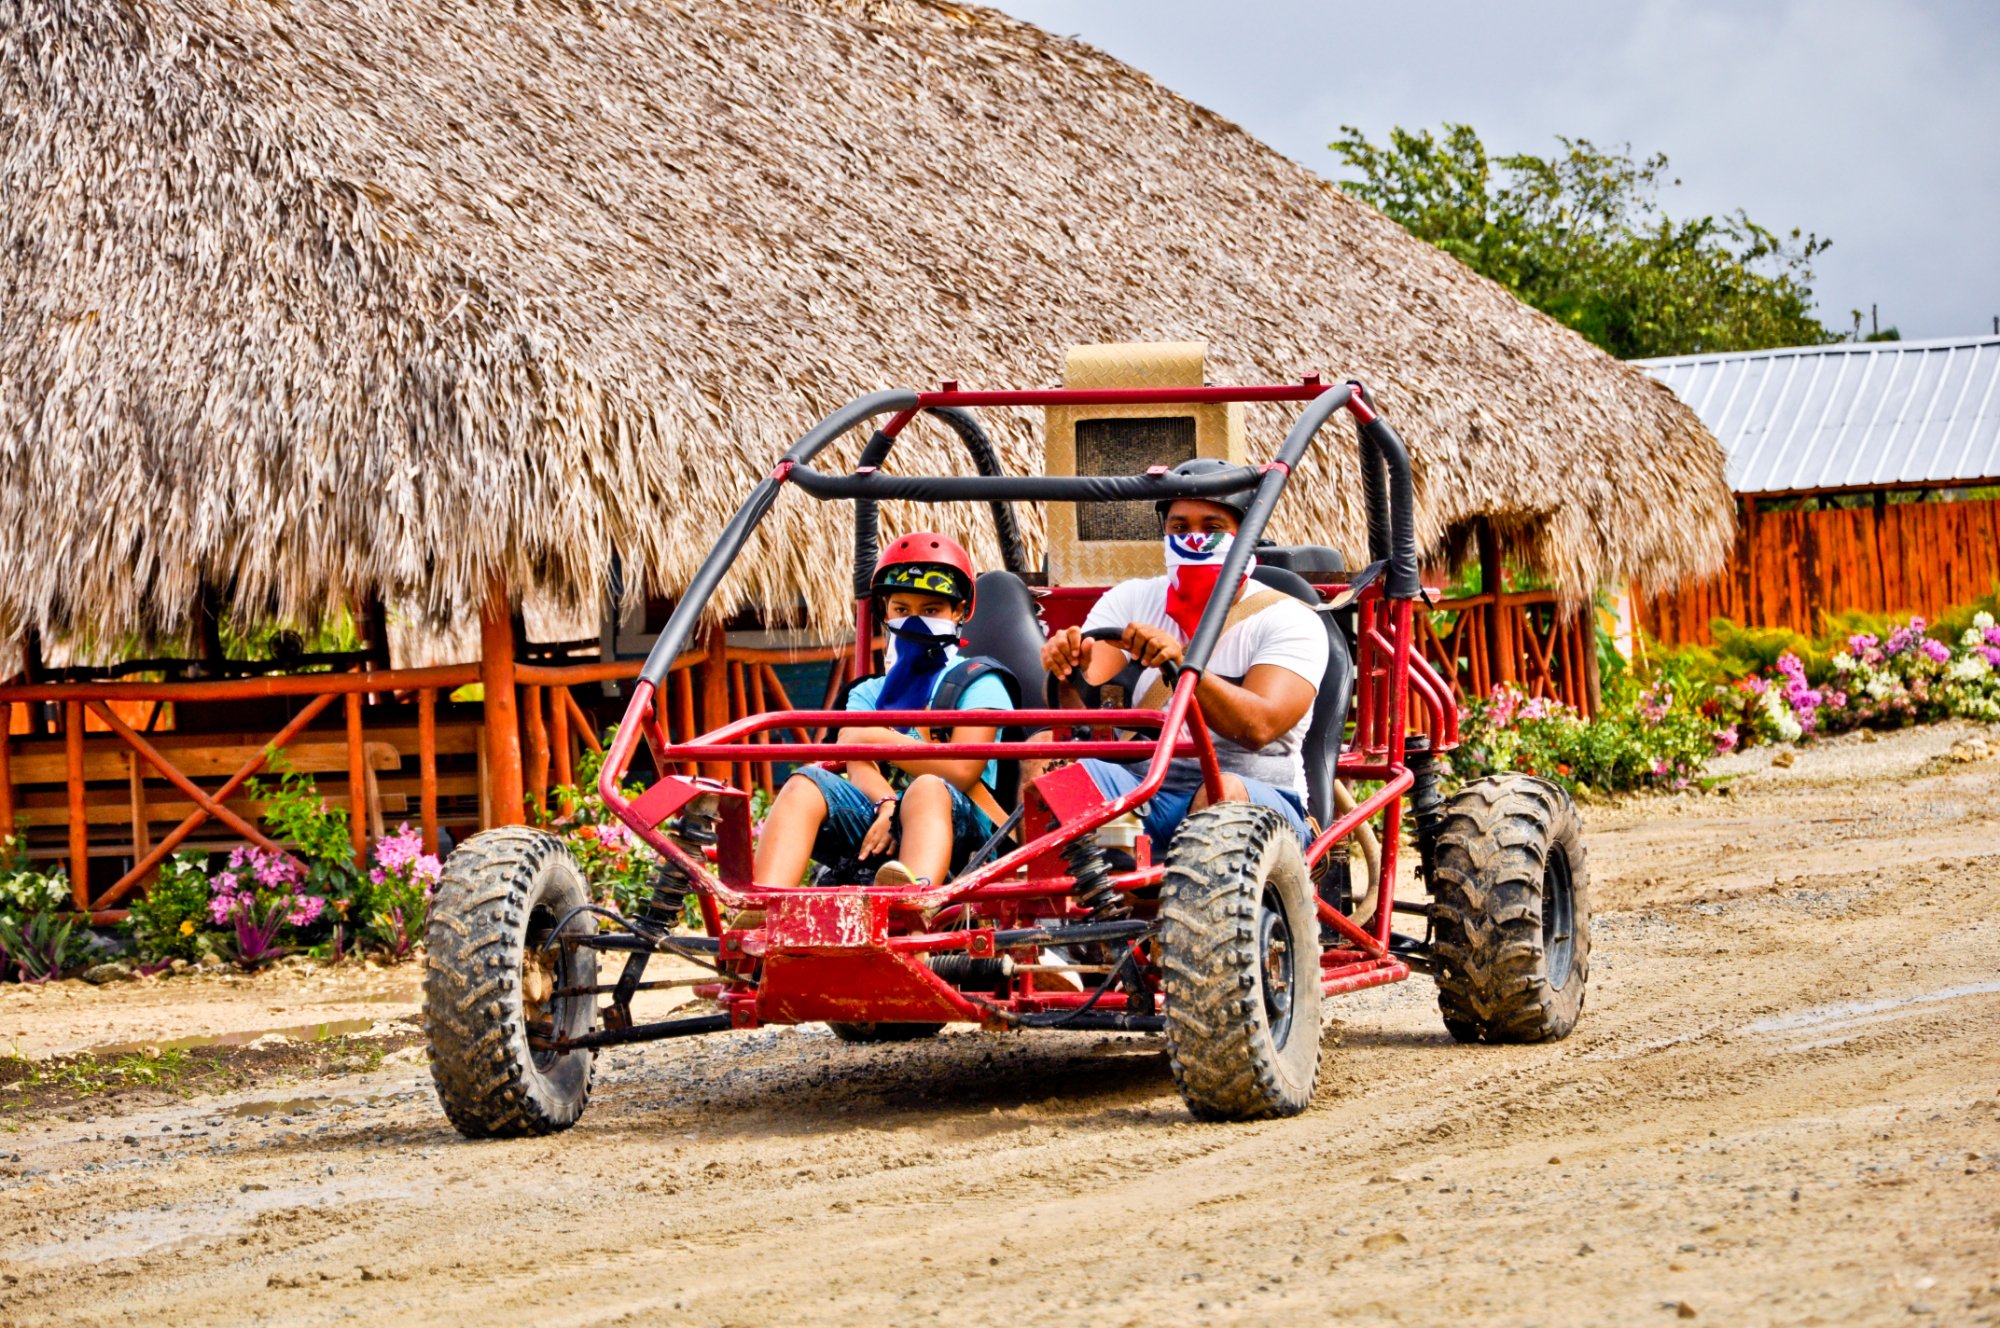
<point>880,803</point>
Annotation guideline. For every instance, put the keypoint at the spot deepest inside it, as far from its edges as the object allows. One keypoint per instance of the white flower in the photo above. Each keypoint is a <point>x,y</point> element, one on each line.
<point>1843,663</point>
<point>1779,711</point>
<point>1879,686</point>
<point>1969,668</point>
<point>1971,637</point>
<point>1982,620</point>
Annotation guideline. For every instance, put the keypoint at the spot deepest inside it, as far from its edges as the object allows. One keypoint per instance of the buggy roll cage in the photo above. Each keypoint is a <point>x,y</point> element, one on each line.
<point>1384,632</point>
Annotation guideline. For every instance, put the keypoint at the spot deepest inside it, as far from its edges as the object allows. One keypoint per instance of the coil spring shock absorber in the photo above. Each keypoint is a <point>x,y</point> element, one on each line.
<point>1094,890</point>
<point>694,831</point>
<point>1426,800</point>
<point>973,973</point>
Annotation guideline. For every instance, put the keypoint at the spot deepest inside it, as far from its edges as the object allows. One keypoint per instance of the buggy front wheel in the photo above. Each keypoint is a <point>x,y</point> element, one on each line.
<point>490,981</point>
<point>1239,953</point>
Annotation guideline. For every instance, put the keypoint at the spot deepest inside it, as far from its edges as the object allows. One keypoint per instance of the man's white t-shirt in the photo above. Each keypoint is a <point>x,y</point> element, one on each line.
<point>1288,634</point>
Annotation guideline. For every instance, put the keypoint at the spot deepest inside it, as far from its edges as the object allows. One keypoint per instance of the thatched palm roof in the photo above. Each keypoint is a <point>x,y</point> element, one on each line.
<point>327,297</point>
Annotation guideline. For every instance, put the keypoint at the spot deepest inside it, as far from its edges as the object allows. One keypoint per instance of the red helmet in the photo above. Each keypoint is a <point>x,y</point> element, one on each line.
<point>929,562</point>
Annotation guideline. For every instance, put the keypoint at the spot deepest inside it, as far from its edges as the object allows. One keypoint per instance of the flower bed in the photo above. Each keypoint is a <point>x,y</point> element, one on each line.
<point>1663,718</point>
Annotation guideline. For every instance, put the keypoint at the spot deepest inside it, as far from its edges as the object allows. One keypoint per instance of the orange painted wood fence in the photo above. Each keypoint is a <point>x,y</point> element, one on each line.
<point>1791,568</point>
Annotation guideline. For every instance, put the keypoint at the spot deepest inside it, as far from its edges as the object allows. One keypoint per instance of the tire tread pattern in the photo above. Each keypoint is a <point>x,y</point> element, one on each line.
<point>481,1064</point>
<point>1486,910</point>
<point>1218,1041</point>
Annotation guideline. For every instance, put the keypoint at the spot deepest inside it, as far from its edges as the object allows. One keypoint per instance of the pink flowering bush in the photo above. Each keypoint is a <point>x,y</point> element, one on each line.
<point>401,883</point>
<point>616,863</point>
<point>1663,721</point>
<point>1910,676</point>
<point>1650,733</point>
<point>260,897</point>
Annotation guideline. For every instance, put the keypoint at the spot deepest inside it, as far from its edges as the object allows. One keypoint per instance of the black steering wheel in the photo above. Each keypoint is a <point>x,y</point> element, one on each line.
<point>1091,693</point>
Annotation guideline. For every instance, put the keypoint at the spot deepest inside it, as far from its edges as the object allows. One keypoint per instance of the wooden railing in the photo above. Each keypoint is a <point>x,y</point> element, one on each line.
<point>110,771</point>
<point>158,757</point>
<point>1527,637</point>
<point>704,690</point>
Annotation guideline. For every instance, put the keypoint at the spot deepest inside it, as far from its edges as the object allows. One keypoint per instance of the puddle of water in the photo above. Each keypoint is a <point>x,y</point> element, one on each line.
<point>1849,1013</point>
<point>238,1038</point>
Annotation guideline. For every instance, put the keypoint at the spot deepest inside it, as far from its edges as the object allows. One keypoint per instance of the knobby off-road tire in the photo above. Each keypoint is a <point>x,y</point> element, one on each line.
<point>487,976</point>
<point>1239,954</point>
<point>874,1032</point>
<point>1510,911</point>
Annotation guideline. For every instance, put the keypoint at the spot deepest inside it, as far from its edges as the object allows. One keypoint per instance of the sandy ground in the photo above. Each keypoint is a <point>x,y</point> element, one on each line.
<point>1782,1106</point>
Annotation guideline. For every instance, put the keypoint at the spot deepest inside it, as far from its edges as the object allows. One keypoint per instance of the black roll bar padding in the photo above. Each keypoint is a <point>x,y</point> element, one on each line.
<point>1404,580</point>
<point>729,544</point>
<point>986,460</point>
<point>1374,496</point>
<point>1269,487</point>
<point>867,522</point>
<point>1037,488</point>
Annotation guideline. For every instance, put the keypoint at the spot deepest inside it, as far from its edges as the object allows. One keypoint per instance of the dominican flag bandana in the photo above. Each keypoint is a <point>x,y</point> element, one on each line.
<point>1194,563</point>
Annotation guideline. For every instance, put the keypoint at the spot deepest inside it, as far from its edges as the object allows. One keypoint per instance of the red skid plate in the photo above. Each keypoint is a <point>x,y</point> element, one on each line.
<point>826,956</point>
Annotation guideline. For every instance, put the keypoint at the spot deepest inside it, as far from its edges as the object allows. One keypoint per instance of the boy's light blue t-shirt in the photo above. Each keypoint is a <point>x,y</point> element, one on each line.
<point>985,693</point>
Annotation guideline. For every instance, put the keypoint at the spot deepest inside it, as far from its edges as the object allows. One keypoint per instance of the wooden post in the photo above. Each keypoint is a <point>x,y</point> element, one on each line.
<point>1493,581</point>
<point>538,749</point>
<point>503,724</point>
<point>1752,601</point>
<point>79,815</point>
<point>142,836</point>
<point>357,782</point>
<point>6,769</point>
<point>427,766</point>
<point>715,694</point>
<point>1593,683</point>
<point>559,704</point>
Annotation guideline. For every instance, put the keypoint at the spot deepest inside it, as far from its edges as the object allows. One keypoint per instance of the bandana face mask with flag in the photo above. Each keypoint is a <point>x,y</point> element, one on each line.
<point>1194,563</point>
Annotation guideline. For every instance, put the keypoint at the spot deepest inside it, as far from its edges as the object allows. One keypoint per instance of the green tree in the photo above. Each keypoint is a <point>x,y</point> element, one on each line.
<point>1581,237</point>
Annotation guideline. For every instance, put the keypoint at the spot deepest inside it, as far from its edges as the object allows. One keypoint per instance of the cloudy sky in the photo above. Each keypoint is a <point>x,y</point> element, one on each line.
<point>1869,121</point>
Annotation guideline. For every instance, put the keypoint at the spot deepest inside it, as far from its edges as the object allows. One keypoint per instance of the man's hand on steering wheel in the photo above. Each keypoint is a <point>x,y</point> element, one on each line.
<point>1149,645</point>
<point>1064,652</point>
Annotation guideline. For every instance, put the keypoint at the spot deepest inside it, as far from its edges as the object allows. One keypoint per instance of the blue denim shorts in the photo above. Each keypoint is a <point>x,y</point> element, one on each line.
<point>849,813</point>
<point>1169,807</point>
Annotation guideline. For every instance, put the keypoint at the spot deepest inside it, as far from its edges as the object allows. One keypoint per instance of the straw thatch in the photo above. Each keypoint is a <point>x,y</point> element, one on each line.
<point>323,298</point>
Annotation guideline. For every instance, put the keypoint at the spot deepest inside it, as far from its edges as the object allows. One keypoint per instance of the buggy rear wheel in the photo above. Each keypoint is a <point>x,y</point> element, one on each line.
<point>489,984</point>
<point>876,1032</point>
<point>1239,951</point>
<point>1510,908</point>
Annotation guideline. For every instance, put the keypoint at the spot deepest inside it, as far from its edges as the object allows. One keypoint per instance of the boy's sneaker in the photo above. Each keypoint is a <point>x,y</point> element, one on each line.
<point>893,872</point>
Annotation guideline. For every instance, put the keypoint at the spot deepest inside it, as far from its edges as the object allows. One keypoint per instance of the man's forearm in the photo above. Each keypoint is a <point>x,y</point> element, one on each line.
<point>1239,714</point>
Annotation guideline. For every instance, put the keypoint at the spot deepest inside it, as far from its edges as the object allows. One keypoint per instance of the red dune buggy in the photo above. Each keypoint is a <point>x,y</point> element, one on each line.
<point>1225,940</point>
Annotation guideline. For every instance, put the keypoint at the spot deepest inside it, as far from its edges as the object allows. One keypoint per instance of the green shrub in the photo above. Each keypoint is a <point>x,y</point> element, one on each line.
<point>171,920</point>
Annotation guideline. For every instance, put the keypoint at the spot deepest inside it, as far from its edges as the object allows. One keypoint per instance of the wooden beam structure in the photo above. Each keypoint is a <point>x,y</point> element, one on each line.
<point>507,788</point>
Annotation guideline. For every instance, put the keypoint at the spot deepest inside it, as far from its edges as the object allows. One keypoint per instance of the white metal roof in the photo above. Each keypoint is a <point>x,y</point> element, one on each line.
<point>1848,416</point>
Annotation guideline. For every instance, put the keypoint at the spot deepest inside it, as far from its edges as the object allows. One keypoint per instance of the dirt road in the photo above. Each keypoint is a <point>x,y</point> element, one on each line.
<point>1782,1106</point>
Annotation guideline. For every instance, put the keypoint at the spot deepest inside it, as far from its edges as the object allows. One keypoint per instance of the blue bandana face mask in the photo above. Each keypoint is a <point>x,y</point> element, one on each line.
<point>919,649</point>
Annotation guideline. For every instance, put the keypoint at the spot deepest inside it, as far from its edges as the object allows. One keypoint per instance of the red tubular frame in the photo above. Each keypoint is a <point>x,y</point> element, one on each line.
<point>1390,677</point>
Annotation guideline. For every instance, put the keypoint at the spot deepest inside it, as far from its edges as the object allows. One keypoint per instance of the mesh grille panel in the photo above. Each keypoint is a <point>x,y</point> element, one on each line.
<point>1127,447</point>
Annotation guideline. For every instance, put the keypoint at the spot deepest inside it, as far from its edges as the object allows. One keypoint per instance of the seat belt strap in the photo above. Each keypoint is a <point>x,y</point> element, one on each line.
<point>1241,612</point>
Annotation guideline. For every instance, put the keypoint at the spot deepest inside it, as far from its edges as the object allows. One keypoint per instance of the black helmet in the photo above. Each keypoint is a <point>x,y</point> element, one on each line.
<point>1236,500</point>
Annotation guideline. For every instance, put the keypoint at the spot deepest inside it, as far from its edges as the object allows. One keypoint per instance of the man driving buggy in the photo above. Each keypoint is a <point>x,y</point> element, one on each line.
<point>1257,693</point>
<point>938,808</point>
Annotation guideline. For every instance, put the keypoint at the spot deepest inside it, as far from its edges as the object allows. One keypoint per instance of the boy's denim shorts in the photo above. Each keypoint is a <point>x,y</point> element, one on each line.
<point>1169,807</point>
<point>849,813</point>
